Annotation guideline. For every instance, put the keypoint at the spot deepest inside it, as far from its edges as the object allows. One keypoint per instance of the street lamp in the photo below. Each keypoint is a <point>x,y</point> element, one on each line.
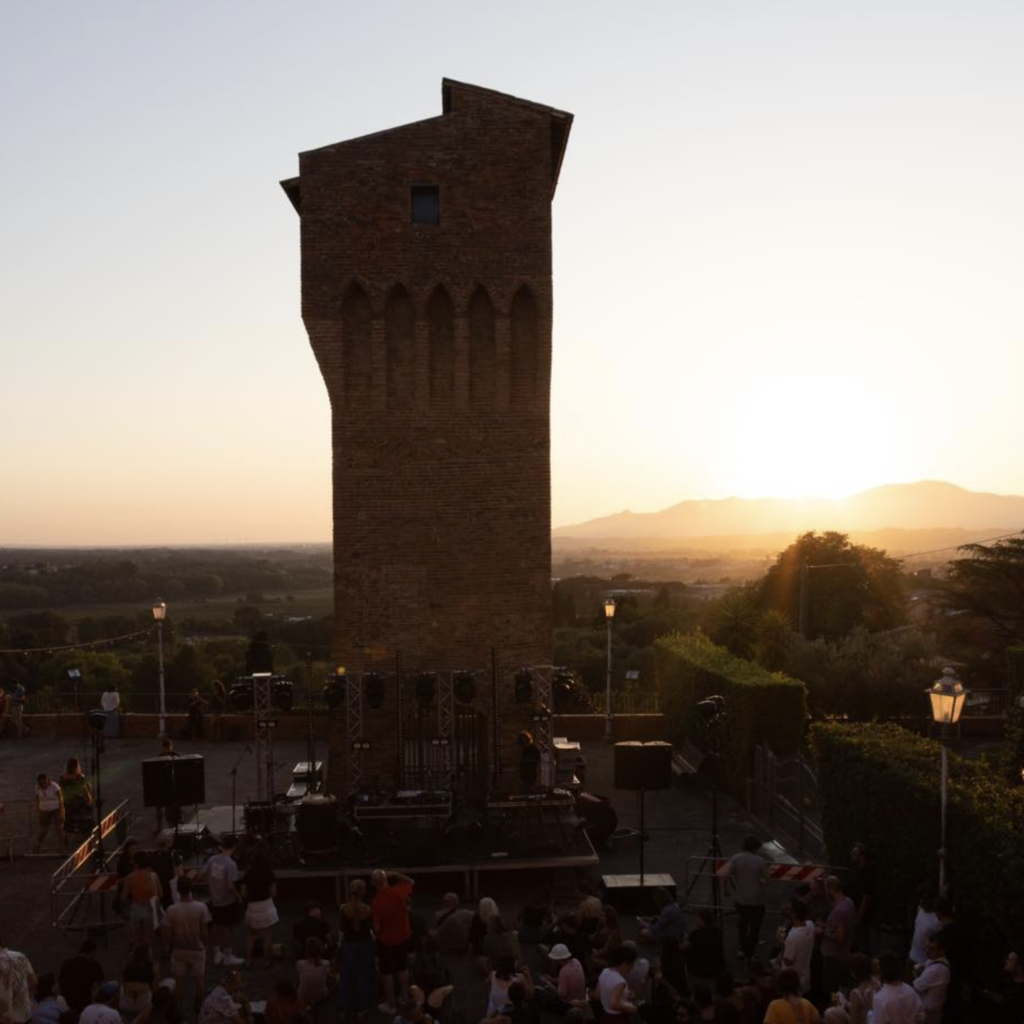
<point>947,696</point>
<point>609,614</point>
<point>159,614</point>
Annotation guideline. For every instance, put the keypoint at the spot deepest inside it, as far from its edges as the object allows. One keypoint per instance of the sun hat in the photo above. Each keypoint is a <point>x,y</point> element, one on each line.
<point>560,952</point>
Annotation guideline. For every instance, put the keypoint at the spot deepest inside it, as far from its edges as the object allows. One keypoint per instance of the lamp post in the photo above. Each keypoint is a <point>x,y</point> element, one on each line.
<point>947,696</point>
<point>609,614</point>
<point>159,614</point>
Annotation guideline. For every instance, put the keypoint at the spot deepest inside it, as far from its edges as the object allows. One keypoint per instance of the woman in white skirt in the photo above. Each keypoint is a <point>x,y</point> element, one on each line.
<point>259,886</point>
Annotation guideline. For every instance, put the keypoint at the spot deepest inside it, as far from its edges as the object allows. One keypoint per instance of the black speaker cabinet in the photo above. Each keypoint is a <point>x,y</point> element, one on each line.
<point>643,765</point>
<point>173,781</point>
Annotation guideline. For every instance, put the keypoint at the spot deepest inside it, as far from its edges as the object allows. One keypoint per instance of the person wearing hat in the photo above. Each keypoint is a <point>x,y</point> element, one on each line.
<point>570,988</point>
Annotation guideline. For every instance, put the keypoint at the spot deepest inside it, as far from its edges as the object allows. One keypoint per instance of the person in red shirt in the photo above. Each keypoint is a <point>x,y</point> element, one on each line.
<point>391,923</point>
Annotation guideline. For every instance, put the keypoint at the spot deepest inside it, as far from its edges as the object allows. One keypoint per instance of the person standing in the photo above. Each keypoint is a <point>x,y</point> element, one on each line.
<point>837,939</point>
<point>18,698</point>
<point>225,902</point>
<point>391,923</point>
<point>140,892</point>
<point>111,704</point>
<point>861,883</point>
<point>799,945</point>
<point>195,714</point>
<point>529,762</point>
<point>50,808</point>
<point>17,982</point>
<point>185,930</point>
<point>259,887</point>
<point>895,1002</point>
<point>932,982</point>
<point>356,981</point>
<point>746,875</point>
<point>170,813</point>
<point>78,798</point>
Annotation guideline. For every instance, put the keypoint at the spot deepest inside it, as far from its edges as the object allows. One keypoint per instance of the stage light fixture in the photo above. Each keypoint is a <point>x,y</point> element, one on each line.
<point>96,719</point>
<point>283,694</point>
<point>524,686</point>
<point>373,687</point>
<point>426,685</point>
<point>465,687</point>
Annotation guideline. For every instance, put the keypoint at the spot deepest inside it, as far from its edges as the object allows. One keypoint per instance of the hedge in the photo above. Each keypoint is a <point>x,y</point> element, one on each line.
<point>880,784</point>
<point>761,706</point>
<point>1015,711</point>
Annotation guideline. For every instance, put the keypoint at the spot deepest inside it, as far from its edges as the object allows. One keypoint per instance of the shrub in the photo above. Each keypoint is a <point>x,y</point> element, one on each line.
<point>761,706</point>
<point>880,783</point>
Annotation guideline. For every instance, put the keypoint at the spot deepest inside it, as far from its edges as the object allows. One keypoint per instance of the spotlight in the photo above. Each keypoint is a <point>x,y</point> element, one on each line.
<point>426,684</point>
<point>562,686</point>
<point>524,686</point>
<point>96,719</point>
<point>373,685</point>
<point>465,687</point>
<point>282,694</point>
<point>712,708</point>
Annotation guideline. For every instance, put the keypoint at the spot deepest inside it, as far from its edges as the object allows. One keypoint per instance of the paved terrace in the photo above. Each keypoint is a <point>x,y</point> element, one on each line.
<point>678,822</point>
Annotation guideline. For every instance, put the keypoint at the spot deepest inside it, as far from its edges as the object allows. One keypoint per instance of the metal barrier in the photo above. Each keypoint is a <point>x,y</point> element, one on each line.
<point>17,821</point>
<point>81,880</point>
<point>780,874</point>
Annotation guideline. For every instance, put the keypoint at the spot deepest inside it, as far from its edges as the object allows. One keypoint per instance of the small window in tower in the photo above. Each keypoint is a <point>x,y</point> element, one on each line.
<point>426,204</point>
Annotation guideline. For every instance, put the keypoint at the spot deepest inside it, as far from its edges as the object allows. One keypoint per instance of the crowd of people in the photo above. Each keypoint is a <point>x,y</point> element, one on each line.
<point>467,964</point>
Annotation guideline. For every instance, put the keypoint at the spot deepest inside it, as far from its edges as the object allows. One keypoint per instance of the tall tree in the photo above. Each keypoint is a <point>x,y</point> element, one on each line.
<point>845,585</point>
<point>988,584</point>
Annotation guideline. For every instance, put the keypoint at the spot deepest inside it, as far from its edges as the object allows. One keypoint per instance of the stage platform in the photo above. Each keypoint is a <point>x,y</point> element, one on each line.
<point>423,856</point>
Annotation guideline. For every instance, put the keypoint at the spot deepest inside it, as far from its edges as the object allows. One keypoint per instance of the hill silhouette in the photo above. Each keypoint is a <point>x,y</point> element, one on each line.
<point>912,515</point>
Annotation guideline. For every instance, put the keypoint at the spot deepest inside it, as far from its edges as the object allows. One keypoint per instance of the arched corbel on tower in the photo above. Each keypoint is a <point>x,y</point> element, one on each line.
<point>524,357</point>
<point>400,348</point>
<point>483,360</point>
<point>441,346</point>
<point>356,344</point>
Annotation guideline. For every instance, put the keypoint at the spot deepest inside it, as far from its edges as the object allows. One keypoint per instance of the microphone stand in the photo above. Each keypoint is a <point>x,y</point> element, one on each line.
<point>234,785</point>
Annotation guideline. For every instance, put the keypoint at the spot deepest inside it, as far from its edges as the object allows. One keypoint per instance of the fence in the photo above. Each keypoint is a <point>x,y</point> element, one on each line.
<point>786,800</point>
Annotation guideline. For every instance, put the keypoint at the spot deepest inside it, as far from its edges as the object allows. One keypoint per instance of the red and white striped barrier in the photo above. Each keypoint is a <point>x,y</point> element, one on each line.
<point>783,872</point>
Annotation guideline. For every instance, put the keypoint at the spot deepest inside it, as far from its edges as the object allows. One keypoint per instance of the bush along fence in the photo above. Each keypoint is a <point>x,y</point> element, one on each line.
<point>761,706</point>
<point>1015,712</point>
<point>880,783</point>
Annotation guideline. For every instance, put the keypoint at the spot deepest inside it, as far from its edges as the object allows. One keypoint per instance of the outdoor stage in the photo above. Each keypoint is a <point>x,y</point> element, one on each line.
<point>507,836</point>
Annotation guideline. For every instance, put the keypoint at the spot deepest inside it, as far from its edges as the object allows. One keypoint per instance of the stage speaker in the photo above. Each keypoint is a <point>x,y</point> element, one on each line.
<point>643,765</point>
<point>173,781</point>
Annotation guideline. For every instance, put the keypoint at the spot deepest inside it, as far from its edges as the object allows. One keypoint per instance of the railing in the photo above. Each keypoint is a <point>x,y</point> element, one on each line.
<point>786,799</point>
<point>634,702</point>
<point>986,704</point>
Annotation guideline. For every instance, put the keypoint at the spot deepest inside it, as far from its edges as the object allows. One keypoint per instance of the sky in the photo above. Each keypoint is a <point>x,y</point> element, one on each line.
<point>788,247</point>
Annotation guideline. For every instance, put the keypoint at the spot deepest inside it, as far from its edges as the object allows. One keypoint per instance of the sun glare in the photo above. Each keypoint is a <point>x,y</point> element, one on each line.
<point>818,419</point>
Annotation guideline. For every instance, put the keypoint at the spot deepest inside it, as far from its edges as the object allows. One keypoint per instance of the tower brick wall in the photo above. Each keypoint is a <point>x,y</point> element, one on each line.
<point>434,341</point>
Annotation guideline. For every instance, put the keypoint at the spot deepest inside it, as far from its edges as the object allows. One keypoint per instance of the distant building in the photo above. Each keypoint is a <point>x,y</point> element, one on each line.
<point>427,297</point>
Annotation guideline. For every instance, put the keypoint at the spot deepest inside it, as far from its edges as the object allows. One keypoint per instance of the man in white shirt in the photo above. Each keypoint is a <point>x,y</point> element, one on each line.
<point>895,1002</point>
<point>17,985</point>
<point>799,946</point>
<point>746,875</point>
<point>225,902</point>
<point>933,981</point>
<point>50,807</point>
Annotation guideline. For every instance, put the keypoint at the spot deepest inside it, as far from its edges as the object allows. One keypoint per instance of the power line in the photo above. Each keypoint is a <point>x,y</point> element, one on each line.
<point>57,648</point>
<point>957,547</point>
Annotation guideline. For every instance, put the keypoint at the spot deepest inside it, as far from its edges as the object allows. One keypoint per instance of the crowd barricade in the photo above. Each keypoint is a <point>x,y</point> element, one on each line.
<point>80,886</point>
<point>17,822</point>
<point>783,875</point>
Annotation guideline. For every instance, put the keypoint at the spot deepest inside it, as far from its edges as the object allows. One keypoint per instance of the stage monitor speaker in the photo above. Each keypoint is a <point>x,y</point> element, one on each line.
<point>643,765</point>
<point>174,781</point>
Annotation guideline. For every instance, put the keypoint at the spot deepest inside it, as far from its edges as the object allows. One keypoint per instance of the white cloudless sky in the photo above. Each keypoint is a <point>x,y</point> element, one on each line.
<point>788,238</point>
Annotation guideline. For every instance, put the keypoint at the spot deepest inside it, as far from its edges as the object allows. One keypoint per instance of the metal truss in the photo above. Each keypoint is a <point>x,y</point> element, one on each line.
<point>354,730</point>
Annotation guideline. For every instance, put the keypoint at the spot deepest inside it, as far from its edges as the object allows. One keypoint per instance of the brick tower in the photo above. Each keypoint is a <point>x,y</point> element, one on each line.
<point>426,294</point>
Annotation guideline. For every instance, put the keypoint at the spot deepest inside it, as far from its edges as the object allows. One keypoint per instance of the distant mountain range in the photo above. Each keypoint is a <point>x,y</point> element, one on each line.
<point>951,513</point>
